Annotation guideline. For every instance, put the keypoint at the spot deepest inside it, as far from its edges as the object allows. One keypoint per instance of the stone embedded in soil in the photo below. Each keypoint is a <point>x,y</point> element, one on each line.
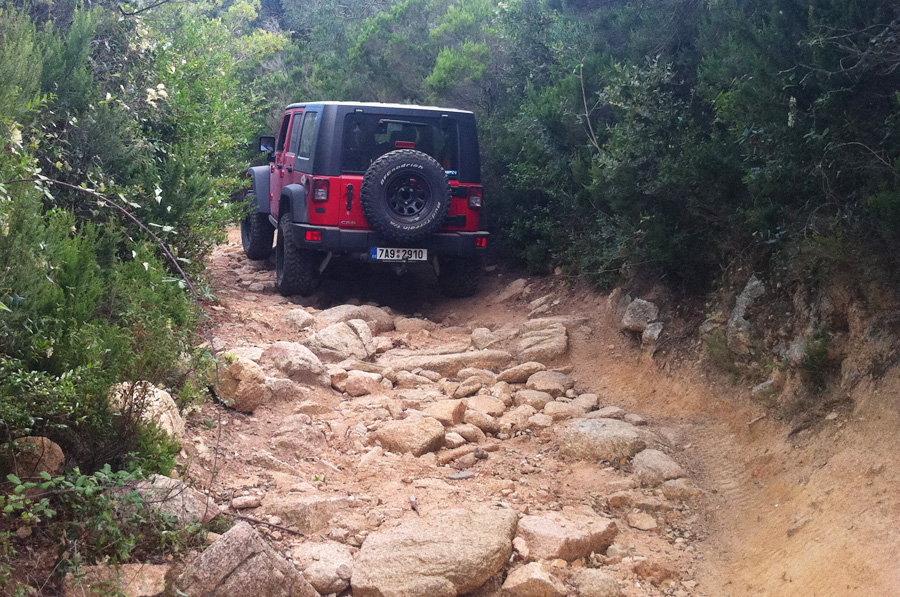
<point>154,404</point>
<point>568,535</point>
<point>679,489</point>
<point>379,320</point>
<point>416,435</point>
<point>31,456</point>
<point>606,412</point>
<point>131,580</point>
<point>533,398</point>
<point>517,418</point>
<point>539,421</point>
<point>246,501</point>
<point>487,377</point>
<point>453,440</point>
<point>468,387</point>
<point>341,341</point>
<point>174,498</point>
<point>242,384</point>
<point>297,362</point>
<point>285,390</point>
<point>469,432</point>
<point>654,571</point>
<point>653,467</point>
<point>297,320</point>
<point>484,338</point>
<point>559,411</point>
<point>483,421</point>
<point>299,437</point>
<point>240,563</point>
<point>360,383</point>
<point>639,314</point>
<point>443,554</point>
<point>641,521</point>
<point>552,382</point>
<point>405,379</point>
<point>327,565</point>
<point>487,404</point>
<point>449,364</point>
<point>310,513</point>
<point>521,373</point>
<point>636,420</point>
<point>533,580</point>
<point>411,325</point>
<point>448,412</point>
<point>513,291</point>
<point>503,391</point>
<point>608,440</point>
<point>544,344</point>
<point>592,582</point>
<point>586,402</point>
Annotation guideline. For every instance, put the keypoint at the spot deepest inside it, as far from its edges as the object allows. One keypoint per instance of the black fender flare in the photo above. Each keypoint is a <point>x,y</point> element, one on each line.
<point>294,195</point>
<point>259,176</point>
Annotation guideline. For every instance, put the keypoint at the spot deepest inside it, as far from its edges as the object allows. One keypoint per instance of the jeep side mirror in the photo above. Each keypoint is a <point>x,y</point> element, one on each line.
<point>267,144</point>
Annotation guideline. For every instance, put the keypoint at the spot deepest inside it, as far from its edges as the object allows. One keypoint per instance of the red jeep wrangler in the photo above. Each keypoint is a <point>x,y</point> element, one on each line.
<point>387,183</point>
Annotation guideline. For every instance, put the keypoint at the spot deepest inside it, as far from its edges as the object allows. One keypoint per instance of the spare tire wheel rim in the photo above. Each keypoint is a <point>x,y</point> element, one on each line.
<point>408,195</point>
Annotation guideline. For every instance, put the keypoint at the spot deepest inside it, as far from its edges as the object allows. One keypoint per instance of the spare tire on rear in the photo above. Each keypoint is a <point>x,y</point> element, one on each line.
<point>405,195</point>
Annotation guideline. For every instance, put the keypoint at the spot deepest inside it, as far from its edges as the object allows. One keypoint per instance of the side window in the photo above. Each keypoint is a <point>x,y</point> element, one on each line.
<point>308,138</point>
<point>295,133</point>
<point>279,147</point>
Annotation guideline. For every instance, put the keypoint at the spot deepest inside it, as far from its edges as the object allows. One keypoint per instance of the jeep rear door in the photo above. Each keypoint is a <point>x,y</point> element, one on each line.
<point>283,168</point>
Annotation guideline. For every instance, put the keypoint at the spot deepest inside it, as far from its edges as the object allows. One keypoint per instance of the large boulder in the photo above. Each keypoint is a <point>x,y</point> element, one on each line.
<point>609,440</point>
<point>449,364</point>
<point>297,362</point>
<point>639,314</point>
<point>340,341</point>
<point>242,385</point>
<point>566,535</point>
<point>379,320</point>
<point>327,565</point>
<point>416,435</point>
<point>154,404</point>
<point>445,554</point>
<point>30,456</point>
<point>240,563</point>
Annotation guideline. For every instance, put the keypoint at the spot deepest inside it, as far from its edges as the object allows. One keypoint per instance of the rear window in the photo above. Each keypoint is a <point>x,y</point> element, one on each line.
<point>367,137</point>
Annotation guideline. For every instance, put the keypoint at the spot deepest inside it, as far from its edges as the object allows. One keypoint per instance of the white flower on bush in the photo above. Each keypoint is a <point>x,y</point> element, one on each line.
<point>154,94</point>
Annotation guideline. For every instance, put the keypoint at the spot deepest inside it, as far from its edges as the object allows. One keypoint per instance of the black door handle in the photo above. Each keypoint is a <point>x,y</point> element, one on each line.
<point>290,169</point>
<point>279,166</point>
<point>349,197</point>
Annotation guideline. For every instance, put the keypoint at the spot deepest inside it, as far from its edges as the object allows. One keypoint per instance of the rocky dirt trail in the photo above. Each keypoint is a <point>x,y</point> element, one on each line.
<point>393,443</point>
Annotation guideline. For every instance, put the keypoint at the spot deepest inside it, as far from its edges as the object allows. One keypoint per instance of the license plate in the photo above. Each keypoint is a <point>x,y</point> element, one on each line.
<point>388,254</point>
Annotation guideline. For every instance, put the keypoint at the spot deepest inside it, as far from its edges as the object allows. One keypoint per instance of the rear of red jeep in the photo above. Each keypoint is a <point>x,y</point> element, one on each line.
<point>388,183</point>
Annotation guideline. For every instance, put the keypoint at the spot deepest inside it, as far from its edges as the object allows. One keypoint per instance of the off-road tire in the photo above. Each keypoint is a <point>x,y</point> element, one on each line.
<point>459,278</point>
<point>257,235</point>
<point>405,195</point>
<point>296,269</point>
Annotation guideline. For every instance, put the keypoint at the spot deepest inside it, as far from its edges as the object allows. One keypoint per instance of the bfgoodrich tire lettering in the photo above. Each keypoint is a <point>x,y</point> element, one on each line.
<point>296,269</point>
<point>405,195</point>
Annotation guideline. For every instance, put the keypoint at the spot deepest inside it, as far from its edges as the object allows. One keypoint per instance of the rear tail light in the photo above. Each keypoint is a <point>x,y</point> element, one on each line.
<point>476,197</point>
<point>314,236</point>
<point>320,189</point>
<point>481,241</point>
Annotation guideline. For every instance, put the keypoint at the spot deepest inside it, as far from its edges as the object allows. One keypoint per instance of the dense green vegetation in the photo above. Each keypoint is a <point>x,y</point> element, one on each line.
<point>667,137</point>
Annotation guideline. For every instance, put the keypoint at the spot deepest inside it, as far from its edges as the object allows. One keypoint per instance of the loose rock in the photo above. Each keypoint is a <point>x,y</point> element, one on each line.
<point>533,580</point>
<point>552,382</point>
<point>521,373</point>
<point>240,564</point>
<point>297,362</point>
<point>242,384</point>
<point>592,582</point>
<point>411,559</point>
<point>327,566</point>
<point>653,467</point>
<point>567,535</point>
<point>414,435</point>
<point>639,314</point>
<point>602,439</point>
<point>340,341</point>
<point>31,456</point>
<point>154,404</point>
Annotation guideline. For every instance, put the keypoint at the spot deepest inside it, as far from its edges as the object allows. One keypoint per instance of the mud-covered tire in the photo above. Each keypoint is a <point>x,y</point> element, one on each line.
<point>296,269</point>
<point>257,235</point>
<point>405,195</point>
<point>459,278</point>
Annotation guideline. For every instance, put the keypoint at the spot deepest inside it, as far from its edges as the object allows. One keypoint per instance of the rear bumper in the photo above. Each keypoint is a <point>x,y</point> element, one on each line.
<point>337,240</point>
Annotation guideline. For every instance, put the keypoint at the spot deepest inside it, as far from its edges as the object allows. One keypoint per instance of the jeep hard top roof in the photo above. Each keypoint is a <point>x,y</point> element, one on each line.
<point>379,106</point>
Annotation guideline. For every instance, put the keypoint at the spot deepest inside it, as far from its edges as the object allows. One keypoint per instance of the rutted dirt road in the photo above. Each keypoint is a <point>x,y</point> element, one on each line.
<point>353,457</point>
